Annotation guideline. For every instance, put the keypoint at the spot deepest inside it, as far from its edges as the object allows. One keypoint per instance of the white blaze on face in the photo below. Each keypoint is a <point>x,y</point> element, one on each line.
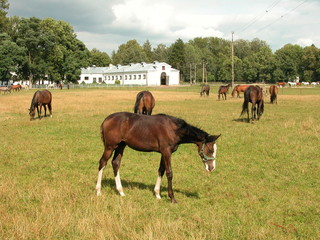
<point>214,161</point>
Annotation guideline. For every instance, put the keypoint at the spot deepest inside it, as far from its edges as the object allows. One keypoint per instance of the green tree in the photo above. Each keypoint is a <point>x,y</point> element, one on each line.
<point>148,51</point>
<point>311,64</point>
<point>4,6</point>
<point>98,58</point>
<point>12,57</point>
<point>161,53</point>
<point>177,57</point>
<point>131,52</point>
<point>288,61</point>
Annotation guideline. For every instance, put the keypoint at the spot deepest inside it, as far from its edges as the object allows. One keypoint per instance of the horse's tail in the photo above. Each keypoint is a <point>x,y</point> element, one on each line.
<point>102,133</point>
<point>245,103</point>
<point>136,105</point>
<point>273,95</point>
<point>233,91</point>
<point>262,107</point>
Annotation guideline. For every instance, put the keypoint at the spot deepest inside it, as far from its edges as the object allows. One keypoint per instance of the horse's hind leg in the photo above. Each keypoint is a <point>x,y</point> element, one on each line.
<point>116,161</point>
<point>102,164</point>
<point>161,170</point>
<point>50,109</point>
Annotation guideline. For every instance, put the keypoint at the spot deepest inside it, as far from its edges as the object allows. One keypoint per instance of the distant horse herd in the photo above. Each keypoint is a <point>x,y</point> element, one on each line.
<point>13,88</point>
<point>160,133</point>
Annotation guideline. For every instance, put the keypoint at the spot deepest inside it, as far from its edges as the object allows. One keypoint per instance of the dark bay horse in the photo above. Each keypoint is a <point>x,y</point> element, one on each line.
<point>144,103</point>
<point>205,90</point>
<point>40,98</point>
<point>152,133</point>
<point>223,90</point>
<point>273,94</point>
<point>254,95</point>
<point>238,89</point>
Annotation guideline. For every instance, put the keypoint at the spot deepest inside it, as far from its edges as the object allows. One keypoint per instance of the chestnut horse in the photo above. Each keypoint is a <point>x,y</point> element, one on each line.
<point>152,133</point>
<point>144,103</point>
<point>238,89</point>
<point>273,94</point>
<point>281,84</point>
<point>205,90</point>
<point>254,95</point>
<point>223,90</point>
<point>40,98</point>
<point>15,88</point>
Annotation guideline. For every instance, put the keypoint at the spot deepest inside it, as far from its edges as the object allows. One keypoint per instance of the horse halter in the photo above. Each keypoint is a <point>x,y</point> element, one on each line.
<point>205,157</point>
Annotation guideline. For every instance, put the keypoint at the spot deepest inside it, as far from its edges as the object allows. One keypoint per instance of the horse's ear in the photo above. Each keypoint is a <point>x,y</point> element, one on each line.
<point>212,138</point>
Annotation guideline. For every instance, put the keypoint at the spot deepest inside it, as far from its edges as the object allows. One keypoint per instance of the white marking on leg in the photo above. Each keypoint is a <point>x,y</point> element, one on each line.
<point>118,184</point>
<point>157,187</point>
<point>98,186</point>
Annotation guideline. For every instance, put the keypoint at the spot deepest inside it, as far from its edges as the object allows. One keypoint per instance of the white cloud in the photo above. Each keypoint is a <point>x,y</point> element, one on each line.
<point>107,24</point>
<point>140,14</point>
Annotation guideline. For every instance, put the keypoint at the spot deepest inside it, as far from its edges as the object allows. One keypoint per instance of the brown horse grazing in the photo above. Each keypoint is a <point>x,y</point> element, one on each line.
<point>40,98</point>
<point>223,90</point>
<point>238,89</point>
<point>205,90</point>
<point>273,94</point>
<point>254,95</point>
<point>60,86</point>
<point>152,133</point>
<point>15,88</point>
<point>144,103</point>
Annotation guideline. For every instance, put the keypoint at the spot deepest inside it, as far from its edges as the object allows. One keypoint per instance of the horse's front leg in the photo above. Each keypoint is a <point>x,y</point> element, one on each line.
<point>39,111</point>
<point>167,162</point>
<point>45,110</point>
<point>161,170</point>
<point>116,161</point>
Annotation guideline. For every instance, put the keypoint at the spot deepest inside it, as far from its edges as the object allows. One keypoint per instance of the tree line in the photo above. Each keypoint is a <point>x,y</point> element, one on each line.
<point>36,49</point>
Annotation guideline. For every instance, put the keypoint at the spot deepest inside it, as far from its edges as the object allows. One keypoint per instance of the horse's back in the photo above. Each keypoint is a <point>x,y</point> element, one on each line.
<point>138,131</point>
<point>43,97</point>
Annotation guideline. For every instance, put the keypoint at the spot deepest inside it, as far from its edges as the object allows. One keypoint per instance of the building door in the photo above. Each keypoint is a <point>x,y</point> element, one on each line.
<point>164,78</point>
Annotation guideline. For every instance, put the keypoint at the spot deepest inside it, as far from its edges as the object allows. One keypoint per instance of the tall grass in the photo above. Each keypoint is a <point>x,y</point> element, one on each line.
<point>266,185</point>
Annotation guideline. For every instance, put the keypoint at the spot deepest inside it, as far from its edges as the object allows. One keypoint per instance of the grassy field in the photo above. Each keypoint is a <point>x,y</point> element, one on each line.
<point>266,185</point>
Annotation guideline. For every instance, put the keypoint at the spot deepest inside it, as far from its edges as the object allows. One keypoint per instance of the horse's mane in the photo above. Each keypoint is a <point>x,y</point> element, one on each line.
<point>33,99</point>
<point>187,132</point>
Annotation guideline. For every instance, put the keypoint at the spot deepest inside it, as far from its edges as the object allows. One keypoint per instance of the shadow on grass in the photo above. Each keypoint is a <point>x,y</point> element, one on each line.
<point>109,182</point>
<point>244,120</point>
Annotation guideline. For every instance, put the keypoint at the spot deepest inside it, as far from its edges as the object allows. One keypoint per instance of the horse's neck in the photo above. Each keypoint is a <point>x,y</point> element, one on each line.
<point>192,135</point>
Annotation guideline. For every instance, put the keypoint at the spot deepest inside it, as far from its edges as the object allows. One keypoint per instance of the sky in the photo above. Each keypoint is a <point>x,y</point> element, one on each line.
<point>106,24</point>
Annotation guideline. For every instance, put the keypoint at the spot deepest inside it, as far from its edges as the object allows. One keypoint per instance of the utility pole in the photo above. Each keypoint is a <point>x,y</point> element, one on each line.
<point>190,75</point>
<point>202,72</point>
<point>232,61</point>
<point>195,73</point>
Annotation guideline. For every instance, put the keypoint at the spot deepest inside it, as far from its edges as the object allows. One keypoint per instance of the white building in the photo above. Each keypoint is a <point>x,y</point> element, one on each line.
<point>147,74</point>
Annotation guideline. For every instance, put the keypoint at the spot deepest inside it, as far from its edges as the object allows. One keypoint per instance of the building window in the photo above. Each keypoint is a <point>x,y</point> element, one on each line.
<point>100,79</point>
<point>130,77</point>
<point>139,76</point>
<point>125,77</point>
<point>144,76</point>
<point>134,77</point>
<point>163,68</point>
<point>86,78</point>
